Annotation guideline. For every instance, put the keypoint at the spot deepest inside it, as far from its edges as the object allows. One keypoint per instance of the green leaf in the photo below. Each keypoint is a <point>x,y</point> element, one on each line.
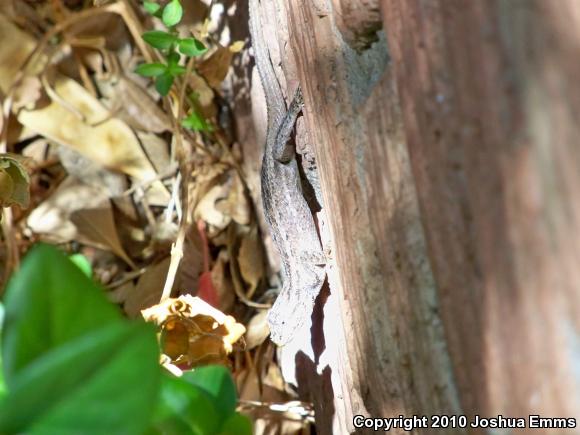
<point>172,13</point>
<point>195,122</point>
<point>176,70</point>
<point>151,7</point>
<point>173,58</point>
<point>237,424</point>
<point>49,302</point>
<point>83,264</point>
<point>185,409</point>
<point>151,69</point>
<point>163,83</point>
<point>173,67</point>
<point>104,382</point>
<point>191,47</point>
<point>216,381</point>
<point>159,39</point>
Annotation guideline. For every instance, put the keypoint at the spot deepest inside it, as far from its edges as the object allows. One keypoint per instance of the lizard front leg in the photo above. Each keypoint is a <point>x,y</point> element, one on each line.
<point>285,150</point>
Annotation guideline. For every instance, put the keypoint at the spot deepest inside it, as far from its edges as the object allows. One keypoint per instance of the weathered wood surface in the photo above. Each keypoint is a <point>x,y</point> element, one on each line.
<point>450,167</point>
<point>491,103</point>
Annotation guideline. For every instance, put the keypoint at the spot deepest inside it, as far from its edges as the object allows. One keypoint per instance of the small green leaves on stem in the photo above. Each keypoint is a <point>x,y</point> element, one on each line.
<point>152,8</point>
<point>172,13</point>
<point>151,69</point>
<point>191,47</point>
<point>159,39</point>
<point>172,47</point>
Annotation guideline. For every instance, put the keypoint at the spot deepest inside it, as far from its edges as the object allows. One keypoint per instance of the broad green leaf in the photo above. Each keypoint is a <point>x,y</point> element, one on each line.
<point>195,122</point>
<point>172,13</point>
<point>216,381</point>
<point>151,69</point>
<point>14,182</point>
<point>80,261</point>
<point>159,39</point>
<point>105,382</point>
<point>185,409</point>
<point>237,424</point>
<point>49,302</point>
<point>151,7</point>
<point>163,83</point>
<point>191,47</point>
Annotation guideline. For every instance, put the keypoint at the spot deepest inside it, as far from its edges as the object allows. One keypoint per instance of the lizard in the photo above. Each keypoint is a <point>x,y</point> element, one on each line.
<point>286,211</point>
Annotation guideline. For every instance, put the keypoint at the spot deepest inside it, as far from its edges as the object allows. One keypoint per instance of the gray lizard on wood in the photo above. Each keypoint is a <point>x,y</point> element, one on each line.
<point>286,210</point>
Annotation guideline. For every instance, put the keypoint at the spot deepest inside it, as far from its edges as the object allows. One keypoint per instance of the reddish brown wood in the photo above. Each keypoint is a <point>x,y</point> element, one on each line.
<point>490,98</point>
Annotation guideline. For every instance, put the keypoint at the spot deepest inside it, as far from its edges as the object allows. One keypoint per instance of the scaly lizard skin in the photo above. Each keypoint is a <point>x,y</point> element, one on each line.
<point>287,213</point>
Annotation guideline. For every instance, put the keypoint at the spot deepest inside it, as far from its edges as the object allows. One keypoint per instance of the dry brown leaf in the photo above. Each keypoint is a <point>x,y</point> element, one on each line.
<point>137,107</point>
<point>98,226</point>
<point>251,260</point>
<point>193,332</point>
<point>236,204</point>
<point>191,265</point>
<point>157,151</point>
<point>111,143</point>
<point>52,217</point>
<point>37,150</point>
<point>248,383</point>
<point>121,293</point>
<point>148,290</point>
<point>258,329</point>
<point>208,211</point>
<point>215,68</point>
<point>15,48</point>
<point>27,93</point>
<point>205,96</point>
<point>233,235</point>
<point>222,282</point>
<point>205,177</point>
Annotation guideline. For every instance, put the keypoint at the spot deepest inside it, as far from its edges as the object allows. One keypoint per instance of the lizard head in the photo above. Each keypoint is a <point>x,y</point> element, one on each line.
<point>289,315</point>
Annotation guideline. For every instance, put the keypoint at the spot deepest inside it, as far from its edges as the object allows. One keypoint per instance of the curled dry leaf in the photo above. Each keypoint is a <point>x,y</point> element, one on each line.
<point>251,260</point>
<point>222,281</point>
<point>148,290</point>
<point>97,225</point>
<point>193,333</point>
<point>208,211</point>
<point>52,216</point>
<point>258,329</point>
<point>27,93</point>
<point>224,202</point>
<point>215,68</point>
<point>236,203</point>
<point>14,182</point>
